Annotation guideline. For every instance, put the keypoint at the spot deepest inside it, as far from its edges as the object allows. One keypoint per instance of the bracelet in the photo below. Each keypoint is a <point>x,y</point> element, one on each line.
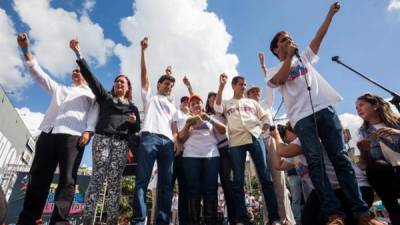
<point>24,50</point>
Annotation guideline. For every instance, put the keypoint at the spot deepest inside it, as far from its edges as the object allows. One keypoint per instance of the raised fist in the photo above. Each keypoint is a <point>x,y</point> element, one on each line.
<point>144,43</point>
<point>74,45</point>
<point>186,81</point>
<point>223,78</point>
<point>261,57</point>
<point>23,40</point>
<point>335,7</point>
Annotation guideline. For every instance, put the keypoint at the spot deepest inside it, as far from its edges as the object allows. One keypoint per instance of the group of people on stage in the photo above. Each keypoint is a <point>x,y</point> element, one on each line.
<point>203,143</point>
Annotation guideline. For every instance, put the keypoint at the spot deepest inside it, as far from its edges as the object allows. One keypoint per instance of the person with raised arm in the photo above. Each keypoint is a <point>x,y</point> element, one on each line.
<point>66,129</point>
<point>246,121</point>
<point>309,101</point>
<point>119,121</point>
<point>158,134</point>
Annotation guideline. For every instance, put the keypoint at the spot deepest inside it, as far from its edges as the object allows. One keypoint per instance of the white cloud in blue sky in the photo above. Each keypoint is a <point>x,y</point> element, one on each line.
<point>51,29</point>
<point>11,63</point>
<point>182,34</point>
<point>394,5</point>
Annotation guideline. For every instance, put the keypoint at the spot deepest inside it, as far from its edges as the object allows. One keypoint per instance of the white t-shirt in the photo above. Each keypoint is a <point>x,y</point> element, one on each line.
<point>202,142</point>
<point>294,90</point>
<point>181,120</point>
<point>159,114</point>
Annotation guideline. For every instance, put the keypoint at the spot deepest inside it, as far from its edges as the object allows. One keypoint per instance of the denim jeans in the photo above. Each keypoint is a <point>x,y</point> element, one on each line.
<point>153,147</point>
<point>331,135</point>
<point>202,177</point>
<point>258,154</point>
<point>296,191</point>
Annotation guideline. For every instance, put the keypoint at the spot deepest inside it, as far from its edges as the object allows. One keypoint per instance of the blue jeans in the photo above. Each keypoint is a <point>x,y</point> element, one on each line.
<point>296,192</point>
<point>201,177</point>
<point>331,136</point>
<point>258,154</point>
<point>153,147</point>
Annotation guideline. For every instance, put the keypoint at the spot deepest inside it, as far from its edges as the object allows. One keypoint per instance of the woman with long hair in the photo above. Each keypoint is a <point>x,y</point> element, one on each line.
<point>380,150</point>
<point>118,121</point>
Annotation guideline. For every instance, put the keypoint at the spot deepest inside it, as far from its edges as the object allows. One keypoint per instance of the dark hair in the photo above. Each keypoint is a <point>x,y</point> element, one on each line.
<point>282,130</point>
<point>236,79</point>
<point>184,99</point>
<point>385,113</point>
<point>210,109</point>
<point>128,94</point>
<point>274,43</point>
<point>166,77</point>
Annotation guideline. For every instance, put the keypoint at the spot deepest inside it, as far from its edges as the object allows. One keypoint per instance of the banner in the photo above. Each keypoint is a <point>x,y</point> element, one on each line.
<point>16,201</point>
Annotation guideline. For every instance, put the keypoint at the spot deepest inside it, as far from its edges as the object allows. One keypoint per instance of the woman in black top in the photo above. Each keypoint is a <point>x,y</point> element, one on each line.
<point>118,121</point>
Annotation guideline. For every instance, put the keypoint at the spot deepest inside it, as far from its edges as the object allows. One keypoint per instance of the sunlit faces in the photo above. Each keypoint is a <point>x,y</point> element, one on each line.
<point>239,87</point>
<point>77,78</point>
<point>366,110</point>
<point>283,41</point>
<point>121,86</point>
<point>185,106</point>
<point>165,87</point>
<point>196,106</point>
<point>254,94</point>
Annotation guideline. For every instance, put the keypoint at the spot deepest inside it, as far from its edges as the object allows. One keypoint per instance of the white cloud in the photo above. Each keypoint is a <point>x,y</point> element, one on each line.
<point>11,77</point>
<point>88,6</point>
<point>182,33</point>
<point>31,119</point>
<point>394,5</point>
<point>52,28</point>
<point>351,122</point>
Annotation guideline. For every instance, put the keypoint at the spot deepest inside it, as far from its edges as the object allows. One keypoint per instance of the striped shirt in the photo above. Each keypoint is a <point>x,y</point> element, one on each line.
<point>72,110</point>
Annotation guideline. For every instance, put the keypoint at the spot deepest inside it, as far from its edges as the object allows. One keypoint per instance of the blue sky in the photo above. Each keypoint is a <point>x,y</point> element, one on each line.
<point>198,38</point>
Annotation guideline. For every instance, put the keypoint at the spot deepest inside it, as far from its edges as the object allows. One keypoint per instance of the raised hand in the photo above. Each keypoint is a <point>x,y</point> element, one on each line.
<point>186,81</point>
<point>23,40</point>
<point>335,7</point>
<point>223,78</point>
<point>74,45</point>
<point>144,43</point>
<point>261,58</point>
<point>168,71</point>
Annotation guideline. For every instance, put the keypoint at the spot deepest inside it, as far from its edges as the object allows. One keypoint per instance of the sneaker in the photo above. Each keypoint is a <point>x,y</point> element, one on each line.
<point>368,220</point>
<point>335,220</point>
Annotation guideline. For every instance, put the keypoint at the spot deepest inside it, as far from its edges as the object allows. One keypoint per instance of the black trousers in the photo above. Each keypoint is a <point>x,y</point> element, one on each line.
<point>385,179</point>
<point>178,174</point>
<point>225,170</point>
<point>312,214</point>
<point>52,150</point>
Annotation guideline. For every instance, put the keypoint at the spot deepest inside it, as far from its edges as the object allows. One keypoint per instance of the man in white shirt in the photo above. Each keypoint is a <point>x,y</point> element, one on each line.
<point>158,134</point>
<point>246,120</point>
<point>66,129</point>
<point>308,100</point>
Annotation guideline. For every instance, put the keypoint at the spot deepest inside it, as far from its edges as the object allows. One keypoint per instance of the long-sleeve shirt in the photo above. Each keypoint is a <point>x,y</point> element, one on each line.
<point>72,110</point>
<point>245,119</point>
<point>114,114</point>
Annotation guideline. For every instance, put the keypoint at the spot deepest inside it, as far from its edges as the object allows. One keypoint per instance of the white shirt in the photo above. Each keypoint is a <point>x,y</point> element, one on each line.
<point>202,142</point>
<point>73,109</point>
<point>294,90</point>
<point>159,114</point>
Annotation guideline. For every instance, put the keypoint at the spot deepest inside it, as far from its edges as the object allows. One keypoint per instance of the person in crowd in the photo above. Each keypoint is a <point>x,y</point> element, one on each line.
<point>245,121</point>
<point>295,159</point>
<point>380,150</point>
<point>118,120</point>
<point>66,129</point>
<point>157,137</point>
<point>201,162</point>
<point>278,177</point>
<point>225,164</point>
<point>309,101</point>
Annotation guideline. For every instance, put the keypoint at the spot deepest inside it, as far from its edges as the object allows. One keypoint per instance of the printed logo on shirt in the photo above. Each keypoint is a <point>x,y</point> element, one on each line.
<point>301,169</point>
<point>164,105</point>
<point>246,109</point>
<point>296,72</point>
<point>201,126</point>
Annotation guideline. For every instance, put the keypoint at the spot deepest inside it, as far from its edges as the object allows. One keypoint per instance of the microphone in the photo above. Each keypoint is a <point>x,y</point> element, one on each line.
<point>296,53</point>
<point>336,59</point>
